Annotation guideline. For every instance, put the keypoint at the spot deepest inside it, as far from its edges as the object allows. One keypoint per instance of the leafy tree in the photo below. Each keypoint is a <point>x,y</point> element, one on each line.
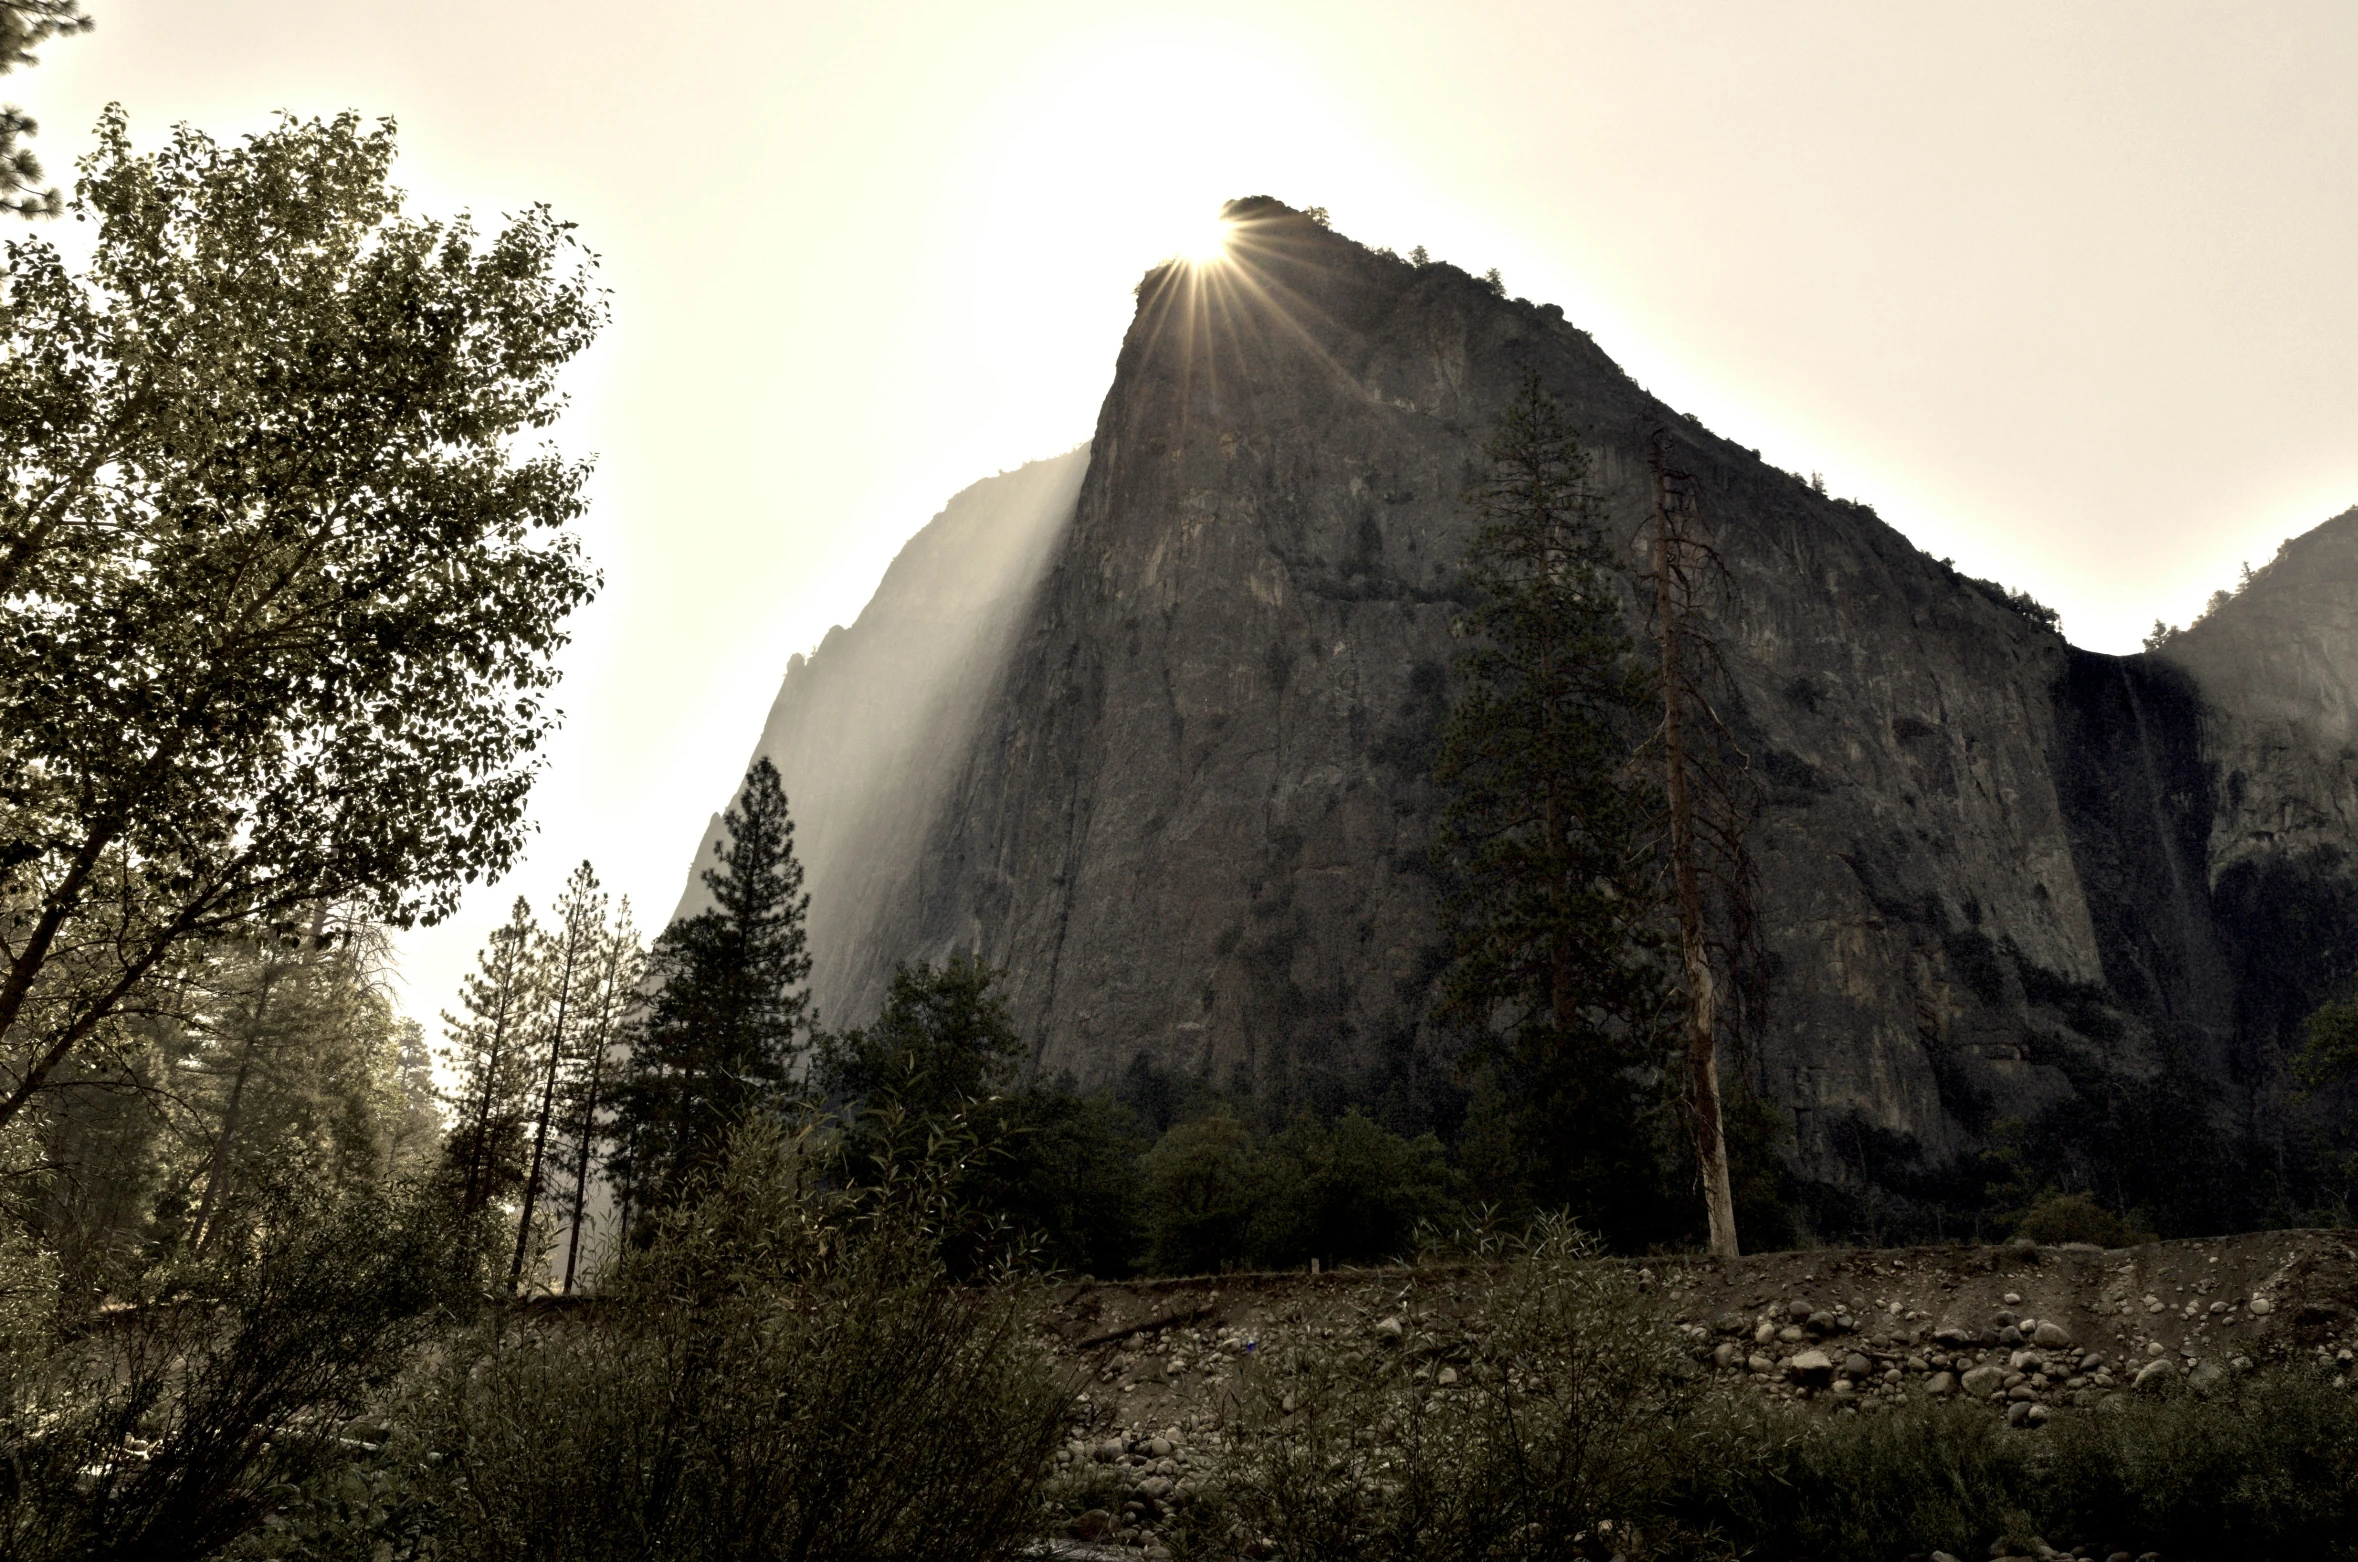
<point>723,1029</point>
<point>2330,1053</point>
<point>1548,830</point>
<point>489,1052</point>
<point>1203,1188</point>
<point>23,25</point>
<point>1043,1164</point>
<point>1348,1192</point>
<point>1066,1178</point>
<point>282,591</point>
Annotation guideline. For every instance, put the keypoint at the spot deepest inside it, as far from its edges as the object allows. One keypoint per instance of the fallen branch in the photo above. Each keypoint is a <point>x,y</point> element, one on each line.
<point>1161,1321</point>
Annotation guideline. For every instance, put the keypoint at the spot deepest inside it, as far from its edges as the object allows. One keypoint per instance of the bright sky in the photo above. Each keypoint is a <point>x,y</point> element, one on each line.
<point>2065,291</point>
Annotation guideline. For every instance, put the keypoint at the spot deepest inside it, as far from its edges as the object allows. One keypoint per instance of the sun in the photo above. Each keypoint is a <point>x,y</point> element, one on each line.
<point>1206,243</point>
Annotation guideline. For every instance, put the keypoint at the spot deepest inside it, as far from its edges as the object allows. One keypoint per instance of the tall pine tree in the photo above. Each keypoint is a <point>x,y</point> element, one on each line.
<point>488,1051</point>
<point>607,1008</point>
<point>567,958</point>
<point>724,1026</point>
<point>1548,832</point>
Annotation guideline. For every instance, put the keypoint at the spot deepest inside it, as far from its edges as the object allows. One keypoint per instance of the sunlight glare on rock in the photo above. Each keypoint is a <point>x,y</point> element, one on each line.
<point>1207,243</point>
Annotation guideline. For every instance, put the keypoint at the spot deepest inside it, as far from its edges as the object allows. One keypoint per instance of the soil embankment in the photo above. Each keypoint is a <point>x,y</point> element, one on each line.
<point>2030,1330</point>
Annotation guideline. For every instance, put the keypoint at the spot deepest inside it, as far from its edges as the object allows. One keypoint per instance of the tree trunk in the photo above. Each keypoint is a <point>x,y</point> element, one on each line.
<point>217,1173</point>
<point>548,1104</point>
<point>589,1129</point>
<point>1711,1145</point>
<point>477,1192</point>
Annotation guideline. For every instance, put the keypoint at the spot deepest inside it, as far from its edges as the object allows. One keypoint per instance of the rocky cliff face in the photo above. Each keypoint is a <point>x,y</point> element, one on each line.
<point>1183,799</point>
<point>2274,676</point>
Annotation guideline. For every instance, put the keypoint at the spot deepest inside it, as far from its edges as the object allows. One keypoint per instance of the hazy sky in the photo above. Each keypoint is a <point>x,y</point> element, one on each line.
<point>2064,290</point>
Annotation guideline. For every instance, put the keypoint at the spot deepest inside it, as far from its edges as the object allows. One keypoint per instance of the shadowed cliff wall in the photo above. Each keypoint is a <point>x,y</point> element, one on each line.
<point>2000,875</point>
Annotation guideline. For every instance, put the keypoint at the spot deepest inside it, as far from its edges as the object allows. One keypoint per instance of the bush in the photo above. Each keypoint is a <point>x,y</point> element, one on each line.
<point>2075,1217</point>
<point>1576,1429</point>
<point>1871,1487</point>
<point>1561,1431</point>
<point>787,1370</point>
<point>2261,1467</point>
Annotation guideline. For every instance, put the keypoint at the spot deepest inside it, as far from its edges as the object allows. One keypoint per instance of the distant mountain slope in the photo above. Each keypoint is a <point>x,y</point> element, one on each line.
<point>872,729</point>
<point>1183,798</point>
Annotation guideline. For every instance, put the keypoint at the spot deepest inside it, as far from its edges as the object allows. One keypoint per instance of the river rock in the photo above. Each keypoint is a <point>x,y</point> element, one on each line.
<point>1813,1369</point>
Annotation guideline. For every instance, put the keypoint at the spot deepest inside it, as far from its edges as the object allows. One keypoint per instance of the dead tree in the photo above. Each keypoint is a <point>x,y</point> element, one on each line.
<point>1706,790</point>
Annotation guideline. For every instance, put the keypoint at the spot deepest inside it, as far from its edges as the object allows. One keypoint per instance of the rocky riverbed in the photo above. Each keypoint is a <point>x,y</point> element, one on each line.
<point>2030,1332</point>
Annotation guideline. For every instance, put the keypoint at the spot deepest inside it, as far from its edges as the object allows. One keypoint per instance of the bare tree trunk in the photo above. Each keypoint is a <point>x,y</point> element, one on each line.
<point>217,1172</point>
<point>478,1187</point>
<point>548,1103</point>
<point>548,1093</point>
<point>1711,1145</point>
<point>589,1130</point>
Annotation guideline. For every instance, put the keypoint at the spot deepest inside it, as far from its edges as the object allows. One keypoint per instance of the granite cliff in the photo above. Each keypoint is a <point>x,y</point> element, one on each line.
<point>1166,764</point>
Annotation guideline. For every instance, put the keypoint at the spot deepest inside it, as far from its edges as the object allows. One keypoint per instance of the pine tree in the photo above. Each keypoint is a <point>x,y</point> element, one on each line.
<point>608,1008</point>
<point>488,1052</point>
<point>723,1028</point>
<point>1547,829</point>
<point>567,958</point>
<point>292,1070</point>
<point>24,24</point>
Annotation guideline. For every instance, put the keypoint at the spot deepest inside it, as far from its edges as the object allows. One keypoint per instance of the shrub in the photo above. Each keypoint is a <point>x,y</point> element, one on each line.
<point>1870,1487</point>
<point>787,1370</point>
<point>2075,1217</point>
<point>2259,1467</point>
<point>1560,1431</point>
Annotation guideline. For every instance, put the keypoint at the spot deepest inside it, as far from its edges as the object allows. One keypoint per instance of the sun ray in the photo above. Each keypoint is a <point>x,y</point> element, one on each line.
<point>1207,243</point>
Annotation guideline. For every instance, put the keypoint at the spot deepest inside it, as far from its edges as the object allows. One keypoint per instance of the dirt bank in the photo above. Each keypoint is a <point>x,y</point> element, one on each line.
<point>2030,1330</point>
